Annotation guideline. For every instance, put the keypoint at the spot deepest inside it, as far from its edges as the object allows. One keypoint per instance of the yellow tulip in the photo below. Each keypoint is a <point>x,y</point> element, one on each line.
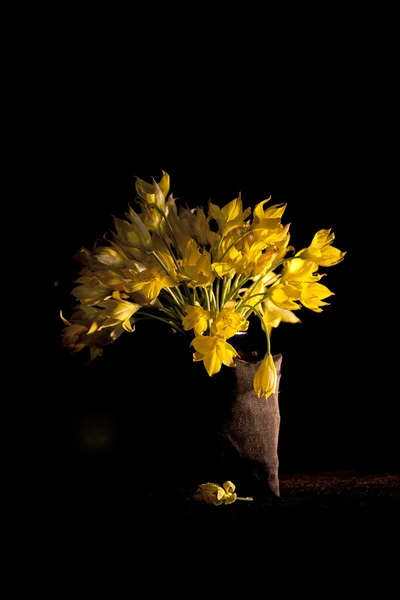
<point>269,236</point>
<point>92,291</point>
<point>250,249</point>
<point>72,336</point>
<point>230,216</point>
<point>201,229</point>
<point>116,311</point>
<point>264,263</point>
<point>321,252</point>
<point>163,255</point>
<point>273,212</point>
<point>150,283</point>
<point>298,270</point>
<point>273,315</point>
<point>134,233</point>
<point>181,225</point>
<point>132,253</point>
<point>196,266</point>
<point>265,378</point>
<point>288,291</point>
<point>76,333</point>
<point>196,318</point>
<point>255,261</point>
<point>267,225</point>
<point>231,256</point>
<point>298,283</point>
<point>282,248</point>
<point>154,193</point>
<point>285,296</point>
<point>109,257</point>
<point>312,295</point>
<point>214,352</point>
<point>152,219</point>
<point>115,280</point>
<point>225,270</point>
<point>228,323</point>
<point>211,493</point>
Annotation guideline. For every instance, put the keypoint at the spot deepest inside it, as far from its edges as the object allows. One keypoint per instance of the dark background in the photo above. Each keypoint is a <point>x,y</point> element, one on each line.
<point>301,132</point>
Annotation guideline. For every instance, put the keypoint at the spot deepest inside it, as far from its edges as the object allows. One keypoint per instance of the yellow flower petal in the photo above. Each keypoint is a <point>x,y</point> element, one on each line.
<point>213,361</point>
<point>229,487</point>
<point>230,499</point>
<point>216,351</point>
<point>265,378</point>
<point>154,193</point>
<point>321,252</point>
<point>203,343</point>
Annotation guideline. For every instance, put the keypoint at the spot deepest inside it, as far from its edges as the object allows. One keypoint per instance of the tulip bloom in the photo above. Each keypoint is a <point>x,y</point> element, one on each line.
<point>154,193</point>
<point>196,266</point>
<point>211,493</point>
<point>228,323</point>
<point>265,378</point>
<point>230,216</point>
<point>273,315</point>
<point>133,234</point>
<point>214,352</point>
<point>196,318</point>
<point>115,312</point>
<point>312,295</point>
<point>321,252</point>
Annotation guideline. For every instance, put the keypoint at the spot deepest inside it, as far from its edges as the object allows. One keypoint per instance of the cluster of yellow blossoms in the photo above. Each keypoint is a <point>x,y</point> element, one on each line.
<point>170,265</point>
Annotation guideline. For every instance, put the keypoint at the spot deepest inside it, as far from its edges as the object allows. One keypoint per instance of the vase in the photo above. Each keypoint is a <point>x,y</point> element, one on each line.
<point>211,429</point>
<point>249,430</point>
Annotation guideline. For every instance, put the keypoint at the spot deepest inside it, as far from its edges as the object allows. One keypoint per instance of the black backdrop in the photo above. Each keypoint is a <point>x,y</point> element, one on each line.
<point>301,139</point>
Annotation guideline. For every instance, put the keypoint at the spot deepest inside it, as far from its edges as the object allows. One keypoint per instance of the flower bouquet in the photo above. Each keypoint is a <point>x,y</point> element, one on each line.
<point>203,274</point>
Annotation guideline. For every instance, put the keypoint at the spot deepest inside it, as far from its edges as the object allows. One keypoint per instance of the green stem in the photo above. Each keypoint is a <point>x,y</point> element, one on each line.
<point>252,309</point>
<point>268,341</point>
<point>175,309</point>
<point>168,322</point>
<point>217,284</point>
<point>181,295</point>
<point>259,315</point>
<point>171,313</point>
<point>263,294</point>
<point>241,282</point>
<point>225,289</point>
<point>207,297</point>
<point>178,302</point>
<point>208,304</point>
<point>253,285</point>
<point>187,292</point>
<point>213,302</point>
<point>218,246</point>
